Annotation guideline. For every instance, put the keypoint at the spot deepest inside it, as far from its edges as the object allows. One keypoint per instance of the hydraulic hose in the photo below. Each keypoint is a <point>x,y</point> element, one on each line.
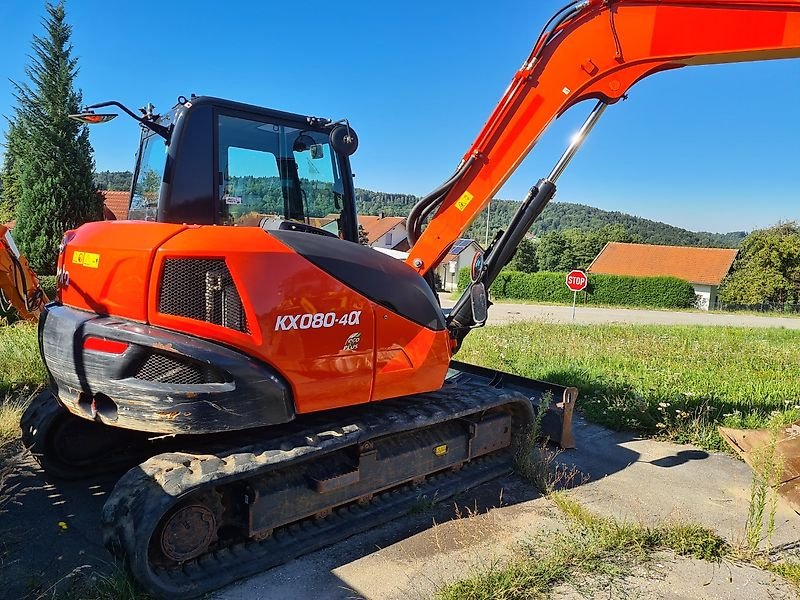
<point>423,208</point>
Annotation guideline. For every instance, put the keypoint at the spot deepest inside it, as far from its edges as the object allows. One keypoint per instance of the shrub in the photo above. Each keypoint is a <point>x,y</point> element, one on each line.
<point>616,290</point>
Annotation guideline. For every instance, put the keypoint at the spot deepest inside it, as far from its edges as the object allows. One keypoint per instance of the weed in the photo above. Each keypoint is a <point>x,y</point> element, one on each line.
<point>423,504</point>
<point>767,467</point>
<point>535,460</point>
<point>11,409</point>
<point>590,546</point>
<point>790,570</point>
<point>81,584</point>
<point>685,539</point>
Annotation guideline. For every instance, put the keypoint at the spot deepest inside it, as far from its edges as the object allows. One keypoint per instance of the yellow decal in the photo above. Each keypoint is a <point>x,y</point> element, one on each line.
<point>87,259</point>
<point>462,202</point>
<point>440,450</point>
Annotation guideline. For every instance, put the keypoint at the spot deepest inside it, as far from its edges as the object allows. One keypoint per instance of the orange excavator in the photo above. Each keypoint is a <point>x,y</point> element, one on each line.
<point>19,284</point>
<point>285,386</point>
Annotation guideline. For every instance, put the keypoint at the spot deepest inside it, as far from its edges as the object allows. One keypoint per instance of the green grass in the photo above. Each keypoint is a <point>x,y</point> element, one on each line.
<point>589,546</point>
<point>673,382</point>
<point>20,364</point>
<point>789,570</point>
<point>21,375</point>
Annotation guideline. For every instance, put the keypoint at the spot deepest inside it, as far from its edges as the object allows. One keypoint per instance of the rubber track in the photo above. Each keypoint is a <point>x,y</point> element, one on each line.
<point>44,415</point>
<point>147,492</point>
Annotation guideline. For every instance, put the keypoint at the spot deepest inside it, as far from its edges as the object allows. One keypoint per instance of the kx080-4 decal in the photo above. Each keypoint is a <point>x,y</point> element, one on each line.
<point>316,320</point>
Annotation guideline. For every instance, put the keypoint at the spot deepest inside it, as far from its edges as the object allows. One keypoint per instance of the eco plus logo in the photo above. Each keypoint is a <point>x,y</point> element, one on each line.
<point>352,341</point>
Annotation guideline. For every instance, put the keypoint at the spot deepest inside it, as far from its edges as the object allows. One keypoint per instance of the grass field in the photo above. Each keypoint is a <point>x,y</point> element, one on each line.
<point>21,374</point>
<point>677,382</point>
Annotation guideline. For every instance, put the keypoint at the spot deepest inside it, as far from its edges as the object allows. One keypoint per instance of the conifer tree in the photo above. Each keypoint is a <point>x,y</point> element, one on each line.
<point>9,175</point>
<point>55,169</point>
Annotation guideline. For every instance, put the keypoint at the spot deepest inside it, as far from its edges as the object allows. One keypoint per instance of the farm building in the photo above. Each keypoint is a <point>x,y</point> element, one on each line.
<point>704,268</point>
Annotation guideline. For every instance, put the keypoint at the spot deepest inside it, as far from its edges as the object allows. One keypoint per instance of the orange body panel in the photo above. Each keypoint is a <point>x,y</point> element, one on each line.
<point>355,351</point>
<point>600,54</point>
<point>108,266</point>
<point>406,351</point>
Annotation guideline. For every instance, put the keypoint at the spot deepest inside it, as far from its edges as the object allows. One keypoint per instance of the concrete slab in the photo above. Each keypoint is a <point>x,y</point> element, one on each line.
<point>629,478</point>
<point>677,578</point>
<point>665,481</point>
<point>49,532</point>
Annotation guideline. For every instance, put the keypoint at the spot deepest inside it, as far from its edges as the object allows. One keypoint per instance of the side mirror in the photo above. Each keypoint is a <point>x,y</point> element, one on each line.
<point>89,117</point>
<point>344,139</point>
<point>479,302</point>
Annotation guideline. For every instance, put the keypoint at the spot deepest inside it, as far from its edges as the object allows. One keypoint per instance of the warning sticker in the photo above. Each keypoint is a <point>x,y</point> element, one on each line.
<point>87,259</point>
<point>463,201</point>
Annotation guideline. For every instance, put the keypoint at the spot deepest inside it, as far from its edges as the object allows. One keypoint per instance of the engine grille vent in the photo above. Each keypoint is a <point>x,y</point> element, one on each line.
<point>164,369</point>
<point>201,289</point>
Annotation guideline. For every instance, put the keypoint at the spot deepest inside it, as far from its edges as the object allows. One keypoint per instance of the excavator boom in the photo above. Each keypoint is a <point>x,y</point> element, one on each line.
<point>594,49</point>
<point>19,284</point>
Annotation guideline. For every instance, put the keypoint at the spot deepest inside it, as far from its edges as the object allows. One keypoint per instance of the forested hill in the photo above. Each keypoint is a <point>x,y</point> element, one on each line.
<point>558,216</point>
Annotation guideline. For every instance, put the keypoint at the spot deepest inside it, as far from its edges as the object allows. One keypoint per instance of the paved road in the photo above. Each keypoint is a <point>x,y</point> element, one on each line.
<point>503,313</point>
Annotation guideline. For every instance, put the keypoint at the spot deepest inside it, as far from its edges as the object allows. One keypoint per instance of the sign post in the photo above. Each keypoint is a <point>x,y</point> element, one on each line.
<point>576,281</point>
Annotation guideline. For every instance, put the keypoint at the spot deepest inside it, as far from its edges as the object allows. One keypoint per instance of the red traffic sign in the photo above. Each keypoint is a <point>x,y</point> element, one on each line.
<point>576,280</point>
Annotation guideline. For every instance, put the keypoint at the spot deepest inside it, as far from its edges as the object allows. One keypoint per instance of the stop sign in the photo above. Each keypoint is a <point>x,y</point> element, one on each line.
<point>576,280</point>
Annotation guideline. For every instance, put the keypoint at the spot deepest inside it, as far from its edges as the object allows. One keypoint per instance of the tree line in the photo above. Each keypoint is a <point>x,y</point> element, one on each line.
<point>558,216</point>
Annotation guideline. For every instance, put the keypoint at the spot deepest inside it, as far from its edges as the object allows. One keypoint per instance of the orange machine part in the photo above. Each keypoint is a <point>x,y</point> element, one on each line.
<point>106,266</point>
<point>600,54</point>
<point>360,351</point>
<point>407,354</point>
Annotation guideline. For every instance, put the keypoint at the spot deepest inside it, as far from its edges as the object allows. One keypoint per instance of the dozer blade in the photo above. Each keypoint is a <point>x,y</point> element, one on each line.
<point>558,401</point>
<point>750,443</point>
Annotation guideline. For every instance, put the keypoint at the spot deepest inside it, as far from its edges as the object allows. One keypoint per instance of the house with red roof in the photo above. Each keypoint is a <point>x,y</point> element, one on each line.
<point>704,268</point>
<point>115,205</point>
<point>385,232</point>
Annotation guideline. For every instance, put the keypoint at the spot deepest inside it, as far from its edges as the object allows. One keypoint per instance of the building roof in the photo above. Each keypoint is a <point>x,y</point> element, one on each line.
<point>458,247</point>
<point>377,226</point>
<point>10,225</point>
<point>116,204</point>
<point>706,266</point>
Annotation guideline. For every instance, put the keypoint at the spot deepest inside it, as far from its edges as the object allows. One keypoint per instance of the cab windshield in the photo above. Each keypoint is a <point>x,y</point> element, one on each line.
<point>150,164</point>
<point>276,171</point>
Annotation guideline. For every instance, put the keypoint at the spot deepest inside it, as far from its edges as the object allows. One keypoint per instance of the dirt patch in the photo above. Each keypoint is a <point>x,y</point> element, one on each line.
<point>50,530</point>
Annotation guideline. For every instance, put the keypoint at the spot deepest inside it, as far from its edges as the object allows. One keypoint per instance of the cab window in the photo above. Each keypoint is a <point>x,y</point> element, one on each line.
<point>270,170</point>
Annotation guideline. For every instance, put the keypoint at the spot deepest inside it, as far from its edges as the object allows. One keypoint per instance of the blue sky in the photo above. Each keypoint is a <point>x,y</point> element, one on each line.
<point>710,148</point>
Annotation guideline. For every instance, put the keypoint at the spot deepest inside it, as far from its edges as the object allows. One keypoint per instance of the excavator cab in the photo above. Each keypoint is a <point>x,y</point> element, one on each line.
<point>211,161</point>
